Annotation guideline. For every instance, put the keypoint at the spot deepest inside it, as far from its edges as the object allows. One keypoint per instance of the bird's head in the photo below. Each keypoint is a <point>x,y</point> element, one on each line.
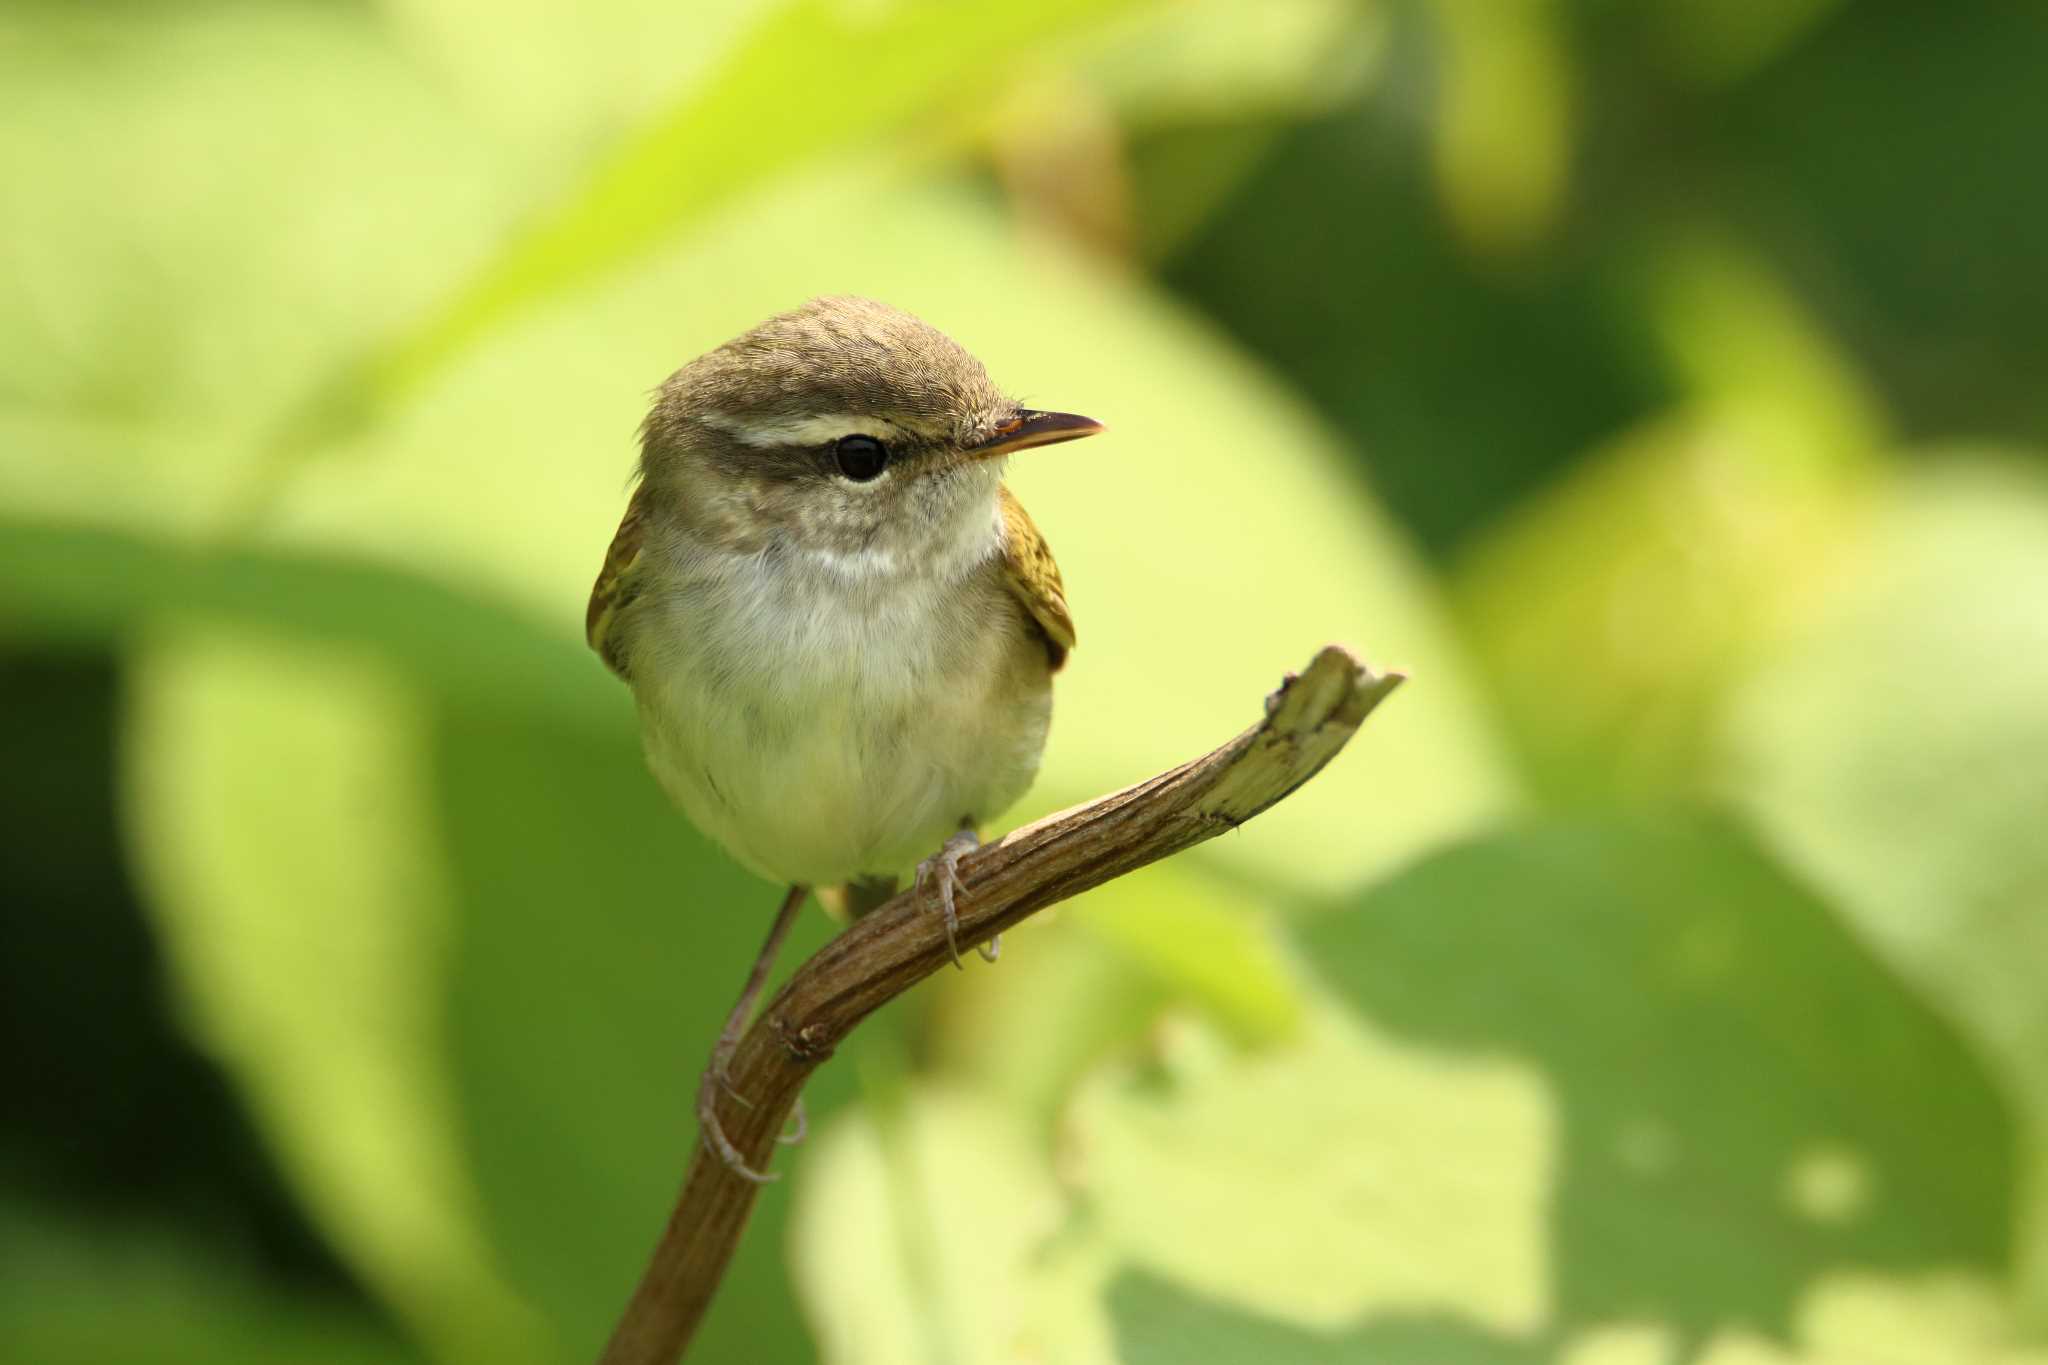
<point>846,427</point>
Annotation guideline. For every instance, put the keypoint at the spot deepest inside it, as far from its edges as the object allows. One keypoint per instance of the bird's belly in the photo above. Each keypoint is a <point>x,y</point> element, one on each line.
<point>852,761</point>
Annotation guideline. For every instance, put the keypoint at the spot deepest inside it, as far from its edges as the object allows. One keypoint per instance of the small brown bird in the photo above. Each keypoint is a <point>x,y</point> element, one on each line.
<point>838,624</point>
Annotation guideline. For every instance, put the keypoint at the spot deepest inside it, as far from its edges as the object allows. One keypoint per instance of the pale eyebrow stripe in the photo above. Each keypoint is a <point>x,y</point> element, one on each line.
<point>815,429</point>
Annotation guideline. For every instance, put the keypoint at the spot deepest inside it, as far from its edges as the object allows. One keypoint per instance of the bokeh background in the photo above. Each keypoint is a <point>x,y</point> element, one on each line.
<point>1662,976</point>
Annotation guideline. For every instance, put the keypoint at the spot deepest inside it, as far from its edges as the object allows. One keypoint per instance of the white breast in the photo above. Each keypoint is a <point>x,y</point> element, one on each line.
<point>827,716</point>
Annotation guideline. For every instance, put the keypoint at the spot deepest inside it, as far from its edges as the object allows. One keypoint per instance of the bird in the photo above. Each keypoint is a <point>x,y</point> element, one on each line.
<point>840,628</point>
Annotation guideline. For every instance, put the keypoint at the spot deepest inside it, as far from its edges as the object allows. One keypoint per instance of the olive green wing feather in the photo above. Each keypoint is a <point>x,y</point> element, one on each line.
<point>1030,573</point>
<point>617,584</point>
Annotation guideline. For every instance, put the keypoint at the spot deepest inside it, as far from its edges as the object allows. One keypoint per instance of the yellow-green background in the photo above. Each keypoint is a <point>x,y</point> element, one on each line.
<point>1662,976</point>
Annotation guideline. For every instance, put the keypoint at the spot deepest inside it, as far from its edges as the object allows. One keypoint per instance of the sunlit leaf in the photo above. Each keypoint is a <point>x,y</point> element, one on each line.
<point>1896,750</point>
<point>1357,1175</point>
<point>1614,610</point>
<point>1157,1324</point>
<point>1203,943</point>
<point>933,1232</point>
<point>1746,1099</point>
<point>1214,61</point>
<point>1058,1002</point>
<point>1864,1319</point>
<point>561,80</point>
<point>1087,981</point>
<point>229,200</point>
<point>1228,73</point>
<point>781,97</point>
<point>280,815</point>
<point>1505,119</point>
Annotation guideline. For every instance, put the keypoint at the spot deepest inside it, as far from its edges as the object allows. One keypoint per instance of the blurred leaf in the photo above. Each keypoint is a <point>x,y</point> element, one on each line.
<point>1504,121</point>
<point>561,80</point>
<point>147,300</point>
<point>1621,1343</point>
<point>1616,610</point>
<point>1747,1099</point>
<point>1154,1158</point>
<point>1739,340</point>
<point>71,583</point>
<point>1181,178</point>
<point>1218,60</point>
<point>1863,1319</point>
<point>1157,1324</point>
<point>1725,40</point>
<point>1896,750</point>
<point>599,942</point>
<point>1355,1175</point>
<point>783,96</point>
<point>1084,981</point>
<point>280,819</point>
<point>1457,386</point>
<point>78,1296</point>
<point>933,1232</point>
<point>1059,142</point>
<point>1201,943</point>
<point>1894,203</point>
<point>1060,1000</point>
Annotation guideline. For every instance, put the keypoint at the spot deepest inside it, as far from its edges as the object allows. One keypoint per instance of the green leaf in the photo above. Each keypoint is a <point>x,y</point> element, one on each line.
<point>560,81</point>
<point>1356,1174</point>
<point>1865,1319</point>
<point>1087,981</point>
<point>149,297</point>
<point>1157,1324</point>
<point>68,584</point>
<point>280,817</point>
<point>92,1293</point>
<point>1505,121</point>
<point>1747,1099</point>
<point>1203,943</point>
<point>1060,1000</point>
<point>1895,748</point>
<point>1228,61</point>
<point>1851,1320</point>
<point>813,77</point>
<point>932,1232</point>
<point>599,943</point>
<point>1722,41</point>
<point>1615,610</point>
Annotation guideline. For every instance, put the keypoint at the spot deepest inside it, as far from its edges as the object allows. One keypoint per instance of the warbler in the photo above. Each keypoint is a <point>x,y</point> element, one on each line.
<point>839,627</point>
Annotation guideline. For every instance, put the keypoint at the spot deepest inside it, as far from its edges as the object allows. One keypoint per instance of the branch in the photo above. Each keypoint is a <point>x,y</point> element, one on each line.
<point>903,941</point>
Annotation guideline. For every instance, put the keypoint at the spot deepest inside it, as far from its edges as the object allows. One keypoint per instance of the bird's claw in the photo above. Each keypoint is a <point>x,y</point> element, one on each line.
<point>715,1079</point>
<point>943,868</point>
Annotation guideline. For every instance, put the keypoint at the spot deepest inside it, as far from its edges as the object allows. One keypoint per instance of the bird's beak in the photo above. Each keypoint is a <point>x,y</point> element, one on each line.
<point>1028,429</point>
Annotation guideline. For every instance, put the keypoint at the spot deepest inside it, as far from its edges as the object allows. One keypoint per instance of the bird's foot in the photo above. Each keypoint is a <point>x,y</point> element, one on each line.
<point>718,1076</point>
<point>943,869</point>
<point>798,1121</point>
<point>803,1125</point>
<point>714,1080</point>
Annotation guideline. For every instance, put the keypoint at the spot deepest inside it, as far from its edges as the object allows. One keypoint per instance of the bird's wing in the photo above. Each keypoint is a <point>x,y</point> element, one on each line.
<point>617,584</point>
<point>1031,574</point>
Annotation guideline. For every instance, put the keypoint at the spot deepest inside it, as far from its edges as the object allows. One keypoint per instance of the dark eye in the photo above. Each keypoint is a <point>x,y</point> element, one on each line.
<point>861,457</point>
